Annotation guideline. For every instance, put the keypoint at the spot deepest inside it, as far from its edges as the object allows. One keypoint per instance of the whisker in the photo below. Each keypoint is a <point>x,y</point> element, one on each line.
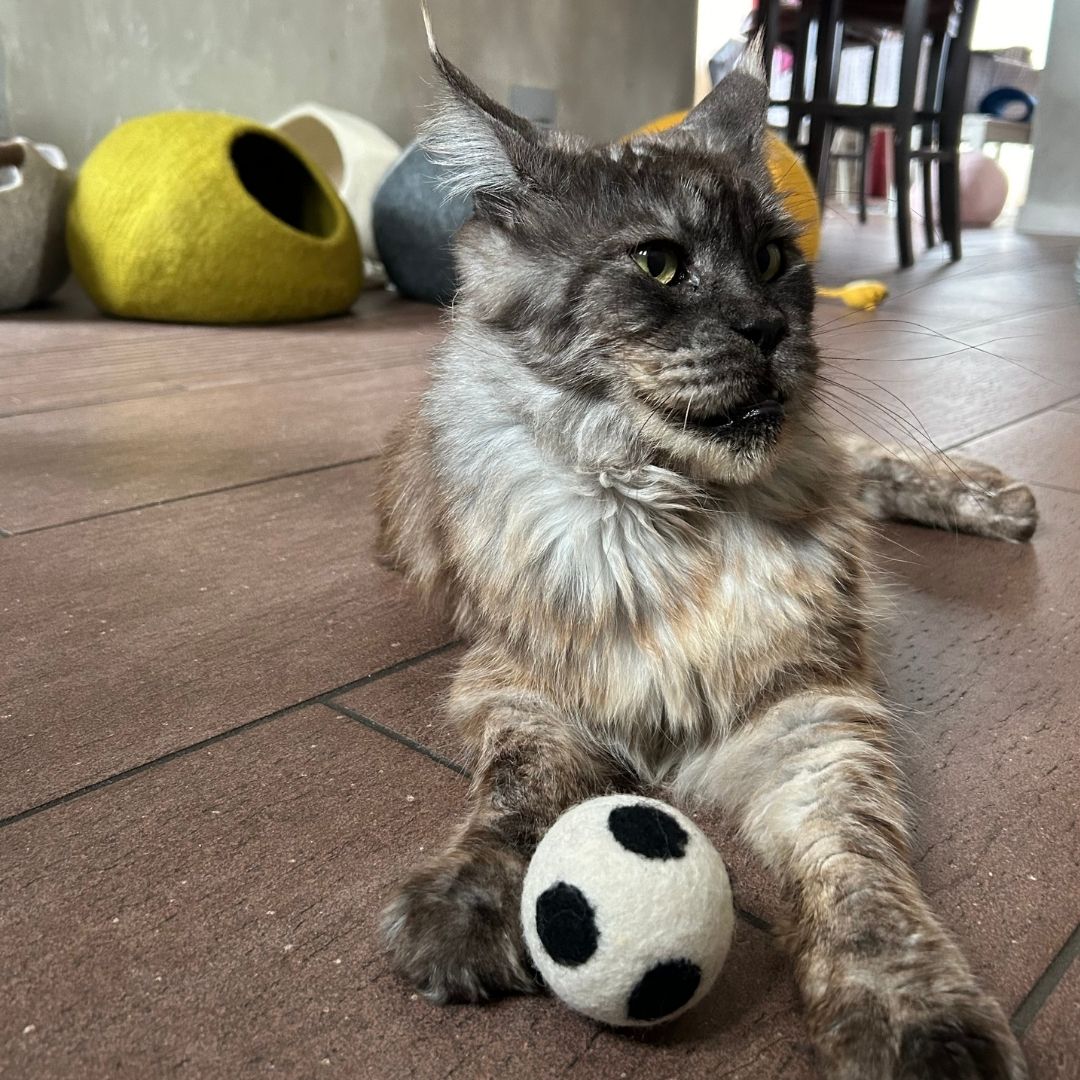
<point>929,451</point>
<point>913,427</point>
<point>686,418</point>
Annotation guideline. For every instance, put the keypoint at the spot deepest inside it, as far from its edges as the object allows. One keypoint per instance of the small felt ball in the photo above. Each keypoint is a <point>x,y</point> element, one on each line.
<point>984,187</point>
<point>627,910</point>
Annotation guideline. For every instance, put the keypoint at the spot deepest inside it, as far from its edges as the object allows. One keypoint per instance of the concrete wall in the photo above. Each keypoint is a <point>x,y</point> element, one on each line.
<point>1053,202</point>
<point>75,68</point>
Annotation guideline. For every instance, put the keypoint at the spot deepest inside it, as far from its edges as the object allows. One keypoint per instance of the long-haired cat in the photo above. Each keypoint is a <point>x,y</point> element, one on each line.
<point>620,483</point>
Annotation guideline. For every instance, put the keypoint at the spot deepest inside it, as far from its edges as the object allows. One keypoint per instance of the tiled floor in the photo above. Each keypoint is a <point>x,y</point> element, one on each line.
<point>220,724</point>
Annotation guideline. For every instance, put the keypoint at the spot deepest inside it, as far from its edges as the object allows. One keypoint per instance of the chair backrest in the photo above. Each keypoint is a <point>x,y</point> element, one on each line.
<point>890,13</point>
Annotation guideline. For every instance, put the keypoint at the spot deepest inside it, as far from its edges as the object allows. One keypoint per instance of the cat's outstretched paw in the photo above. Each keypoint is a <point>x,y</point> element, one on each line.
<point>1010,514</point>
<point>454,929</point>
<point>991,504</point>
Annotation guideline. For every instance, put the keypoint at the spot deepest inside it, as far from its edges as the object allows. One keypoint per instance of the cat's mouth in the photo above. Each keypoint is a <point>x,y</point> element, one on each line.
<point>760,414</point>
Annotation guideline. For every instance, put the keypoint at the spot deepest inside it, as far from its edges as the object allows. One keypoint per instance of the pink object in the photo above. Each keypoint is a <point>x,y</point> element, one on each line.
<point>984,186</point>
<point>983,189</point>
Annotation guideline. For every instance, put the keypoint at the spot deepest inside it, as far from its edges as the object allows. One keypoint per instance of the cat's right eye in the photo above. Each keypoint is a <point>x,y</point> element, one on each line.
<point>659,259</point>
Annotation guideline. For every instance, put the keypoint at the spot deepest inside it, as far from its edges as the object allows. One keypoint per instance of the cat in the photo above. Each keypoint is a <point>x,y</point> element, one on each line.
<point>620,484</point>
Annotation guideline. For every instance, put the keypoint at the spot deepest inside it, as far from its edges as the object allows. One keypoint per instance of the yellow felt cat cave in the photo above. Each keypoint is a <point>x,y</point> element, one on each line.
<point>204,217</point>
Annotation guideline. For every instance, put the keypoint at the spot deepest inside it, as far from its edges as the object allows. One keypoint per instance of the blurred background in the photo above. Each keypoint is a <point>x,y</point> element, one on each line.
<point>70,72</point>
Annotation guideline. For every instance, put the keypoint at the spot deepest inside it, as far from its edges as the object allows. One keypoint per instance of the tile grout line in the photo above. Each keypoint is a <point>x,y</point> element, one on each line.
<point>221,736</point>
<point>1046,983</point>
<point>327,700</point>
<point>962,443</point>
<point>97,403</point>
<point>135,770</point>
<point>748,917</point>
<point>396,736</point>
<point>382,673</point>
<point>209,387</point>
<point>755,921</point>
<point>1051,487</point>
<point>191,495</point>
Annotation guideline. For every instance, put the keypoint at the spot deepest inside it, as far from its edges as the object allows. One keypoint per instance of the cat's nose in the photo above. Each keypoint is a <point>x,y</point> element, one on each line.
<point>766,333</point>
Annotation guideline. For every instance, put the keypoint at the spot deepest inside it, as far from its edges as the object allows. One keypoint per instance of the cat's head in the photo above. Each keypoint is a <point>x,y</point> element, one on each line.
<point>661,273</point>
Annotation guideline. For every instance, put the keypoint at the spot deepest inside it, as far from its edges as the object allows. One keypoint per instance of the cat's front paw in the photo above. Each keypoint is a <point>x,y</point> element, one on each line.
<point>454,929</point>
<point>942,1035</point>
<point>969,1042</point>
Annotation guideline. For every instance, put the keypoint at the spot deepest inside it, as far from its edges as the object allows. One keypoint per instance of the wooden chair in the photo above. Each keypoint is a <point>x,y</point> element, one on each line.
<point>949,24</point>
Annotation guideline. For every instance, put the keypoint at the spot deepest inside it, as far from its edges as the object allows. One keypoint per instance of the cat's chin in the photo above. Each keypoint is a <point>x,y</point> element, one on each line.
<point>756,419</point>
<point>737,458</point>
<point>738,446</point>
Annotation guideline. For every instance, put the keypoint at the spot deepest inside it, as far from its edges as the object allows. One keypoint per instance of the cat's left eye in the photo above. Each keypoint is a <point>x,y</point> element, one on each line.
<point>660,260</point>
<point>769,261</point>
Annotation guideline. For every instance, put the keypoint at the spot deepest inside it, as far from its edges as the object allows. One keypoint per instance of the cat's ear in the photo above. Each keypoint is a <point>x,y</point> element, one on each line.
<point>732,117</point>
<point>488,151</point>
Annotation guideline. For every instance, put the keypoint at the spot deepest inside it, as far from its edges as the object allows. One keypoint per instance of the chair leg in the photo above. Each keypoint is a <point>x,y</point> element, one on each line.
<point>864,154</point>
<point>952,113</point>
<point>902,179</point>
<point>827,69</point>
<point>875,53</point>
<point>949,194</point>
<point>818,155</point>
<point>928,201</point>
<point>932,91</point>
<point>797,98</point>
<point>904,120</point>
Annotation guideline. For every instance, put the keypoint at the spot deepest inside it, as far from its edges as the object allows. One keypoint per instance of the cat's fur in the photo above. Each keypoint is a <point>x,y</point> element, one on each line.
<point>651,604</point>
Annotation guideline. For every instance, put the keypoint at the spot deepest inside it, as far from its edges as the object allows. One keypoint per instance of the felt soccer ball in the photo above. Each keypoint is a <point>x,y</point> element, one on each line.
<point>627,910</point>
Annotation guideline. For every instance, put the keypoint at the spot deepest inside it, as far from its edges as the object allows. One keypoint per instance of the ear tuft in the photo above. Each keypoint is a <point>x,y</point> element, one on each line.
<point>752,59</point>
<point>426,15</point>
<point>481,143</point>
<point>731,117</point>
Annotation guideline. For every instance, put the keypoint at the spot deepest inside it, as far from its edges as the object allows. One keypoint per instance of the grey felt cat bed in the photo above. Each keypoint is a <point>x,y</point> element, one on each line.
<point>415,221</point>
<point>34,189</point>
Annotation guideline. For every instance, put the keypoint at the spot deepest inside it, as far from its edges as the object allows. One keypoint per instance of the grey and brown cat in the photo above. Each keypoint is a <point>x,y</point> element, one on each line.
<point>621,485</point>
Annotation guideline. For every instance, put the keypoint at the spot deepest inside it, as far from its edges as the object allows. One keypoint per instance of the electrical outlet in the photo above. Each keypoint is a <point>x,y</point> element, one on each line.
<point>535,103</point>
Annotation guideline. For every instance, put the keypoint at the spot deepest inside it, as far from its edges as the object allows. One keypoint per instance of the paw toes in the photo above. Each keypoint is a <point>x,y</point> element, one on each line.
<point>947,1055</point>
<point>960,1050</point>
<point>1006,514</point>
<point>1014,513</point>
<point>456,936</point>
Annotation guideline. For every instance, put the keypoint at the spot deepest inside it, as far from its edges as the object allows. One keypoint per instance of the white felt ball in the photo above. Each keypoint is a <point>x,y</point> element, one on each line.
<point>627,910</point>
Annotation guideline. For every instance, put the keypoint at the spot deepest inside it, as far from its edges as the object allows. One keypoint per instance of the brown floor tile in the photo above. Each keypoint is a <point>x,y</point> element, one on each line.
<point>980,655</point>
<point>850,250</point>
<point>1052,1042</point>
<point>966,301</point>
<point>412,704</point>
<point>60,362</point>
<point>130,636</point>
<point>1042,450</point>
<point>884,339</point>
<point>946,399</point>
<point>217,914</point>
<point>66,464</point>
<point>1044,343</point>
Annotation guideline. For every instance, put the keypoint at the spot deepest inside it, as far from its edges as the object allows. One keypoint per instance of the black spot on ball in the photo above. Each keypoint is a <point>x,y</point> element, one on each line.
<point>566,924</point>
<point>663,989</point>
<point>649,831</point>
